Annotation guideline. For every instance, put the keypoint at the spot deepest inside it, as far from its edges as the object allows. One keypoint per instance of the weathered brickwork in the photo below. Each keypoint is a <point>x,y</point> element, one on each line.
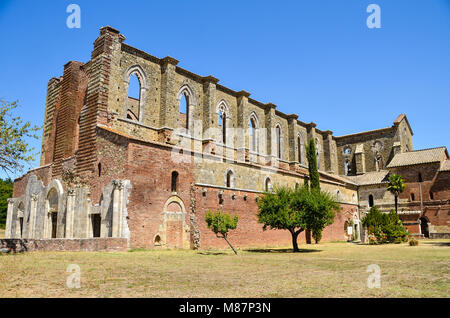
<point>139,169</point>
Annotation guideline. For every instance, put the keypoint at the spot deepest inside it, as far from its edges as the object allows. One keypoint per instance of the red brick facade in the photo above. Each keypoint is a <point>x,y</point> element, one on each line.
<point>86,132</point>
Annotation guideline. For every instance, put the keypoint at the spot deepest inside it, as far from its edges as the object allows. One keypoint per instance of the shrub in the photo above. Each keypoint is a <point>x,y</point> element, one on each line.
<point>386,228</point>
<point>413,242</point>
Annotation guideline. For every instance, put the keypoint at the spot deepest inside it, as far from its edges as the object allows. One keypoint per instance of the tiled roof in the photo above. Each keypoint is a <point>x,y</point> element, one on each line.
<point>445,165</point>
<point>417,157</point>
<point>368,178</point>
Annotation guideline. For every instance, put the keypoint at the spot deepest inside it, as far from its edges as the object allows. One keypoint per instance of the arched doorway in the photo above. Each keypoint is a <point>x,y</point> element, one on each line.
<point>174,226</point>
<point>52,215</point>
<point>19,228</point>
<point>424,227</point>
<point>174,231</point>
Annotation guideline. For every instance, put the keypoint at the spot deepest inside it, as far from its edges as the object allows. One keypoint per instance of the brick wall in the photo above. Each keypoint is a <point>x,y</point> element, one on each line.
<point>149,170</point>
<point>72,95</point>
<point>20,184</point>
<point>249,232</point>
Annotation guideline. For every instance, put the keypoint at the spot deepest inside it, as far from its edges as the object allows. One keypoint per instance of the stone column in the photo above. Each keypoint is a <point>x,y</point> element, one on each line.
<point>360,159</point>
<point>169,108</point>
<point>292,137</point>
<point>329,152</point>
<point>242,133</point>
<point>70,212</point>
<point>311,127</point>
<point>9,216</point>
<point>33,211</point>
<point>117,208</point>
<point>209,101</point>
<point>270,135</point>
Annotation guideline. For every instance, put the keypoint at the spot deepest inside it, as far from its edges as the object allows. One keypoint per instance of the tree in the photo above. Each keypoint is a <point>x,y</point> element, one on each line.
<point>396,186</point>
<point>6,191</point>
<point>14,149</point>
<point>386,227</point>
<point>311,155</point>
<point>322,219</point>
<point>320,208</point>
<point>295,210</point>
<point>220,223</point>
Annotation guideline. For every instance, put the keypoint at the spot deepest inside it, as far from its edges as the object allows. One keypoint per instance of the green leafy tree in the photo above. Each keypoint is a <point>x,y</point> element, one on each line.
<point>295,210</point>
<point>6,191</point>
<point>386,227</point>
<point>220,223</point>
<point>320,208</point>
<point>277,211</point>
<point>14,149</point>
<point>396,186</point>
<point>393,228</point>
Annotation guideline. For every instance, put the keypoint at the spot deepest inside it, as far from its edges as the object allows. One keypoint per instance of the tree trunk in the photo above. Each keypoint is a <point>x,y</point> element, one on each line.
<point>294,241</point>
<point>308,236</point>
<point>396,204</point>
<point>230,245</point>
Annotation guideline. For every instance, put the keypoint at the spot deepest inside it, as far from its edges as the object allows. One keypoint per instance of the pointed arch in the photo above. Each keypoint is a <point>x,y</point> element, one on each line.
<point>318,151</point>
<point>278,140</point>
<point>268,184</point>
<point>301,148</point>
<point>230,178</point>
<point>254,132</point>
<point>19,220</point>
<point>223,118</point>
<point>186,95</point>
<point>138,71</point>
<point>175,199</point>
<point>53,208</point>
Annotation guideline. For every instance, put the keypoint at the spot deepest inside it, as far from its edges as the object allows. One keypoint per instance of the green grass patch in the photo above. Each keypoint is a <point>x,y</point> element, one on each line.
<point>323,270</point>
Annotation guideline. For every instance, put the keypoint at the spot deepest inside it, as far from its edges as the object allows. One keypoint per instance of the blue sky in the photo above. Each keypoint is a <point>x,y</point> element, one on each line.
<point>317,59</point>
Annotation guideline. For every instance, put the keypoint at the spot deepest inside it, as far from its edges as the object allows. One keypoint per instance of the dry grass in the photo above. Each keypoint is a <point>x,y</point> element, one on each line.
<point>325,270</point>
<point>2,233</point>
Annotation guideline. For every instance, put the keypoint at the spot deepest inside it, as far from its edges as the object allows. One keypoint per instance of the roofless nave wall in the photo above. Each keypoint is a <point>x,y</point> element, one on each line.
<point>143,168</point>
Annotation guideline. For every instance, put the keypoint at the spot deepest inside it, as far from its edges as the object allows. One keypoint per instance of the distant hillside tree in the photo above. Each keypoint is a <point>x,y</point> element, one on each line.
<point>14,149</point>
<point>220,223</point>
<point>6,191</point>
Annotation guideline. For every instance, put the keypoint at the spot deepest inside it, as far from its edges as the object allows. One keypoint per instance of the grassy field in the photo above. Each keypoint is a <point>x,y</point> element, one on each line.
<point>2,233</point>
<point>324,270</point>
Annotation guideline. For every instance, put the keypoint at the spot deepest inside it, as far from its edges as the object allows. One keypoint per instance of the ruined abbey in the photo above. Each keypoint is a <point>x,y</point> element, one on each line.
<point>142,171</point>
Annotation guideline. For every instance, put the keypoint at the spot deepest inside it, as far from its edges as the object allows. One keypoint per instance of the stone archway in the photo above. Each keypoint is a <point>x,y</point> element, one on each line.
<point>174,232</point>
<point>52,213</point>
<point>424,229</point>
<point>19,221</point>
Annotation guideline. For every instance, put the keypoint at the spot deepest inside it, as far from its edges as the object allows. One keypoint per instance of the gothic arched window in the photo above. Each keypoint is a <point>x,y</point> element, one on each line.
<point>254,141</point>
<point>134,97</point>
<point>278,140</point>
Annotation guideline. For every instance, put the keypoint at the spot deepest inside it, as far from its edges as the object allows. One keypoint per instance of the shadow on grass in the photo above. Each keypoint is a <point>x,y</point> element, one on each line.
<point>281,250</point>
<point>435,243</point>
<point>211,253</point>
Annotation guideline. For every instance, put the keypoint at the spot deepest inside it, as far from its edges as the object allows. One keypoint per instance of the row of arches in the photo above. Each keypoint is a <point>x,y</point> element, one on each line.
<point>46,215</point>
<point>137,87</point>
